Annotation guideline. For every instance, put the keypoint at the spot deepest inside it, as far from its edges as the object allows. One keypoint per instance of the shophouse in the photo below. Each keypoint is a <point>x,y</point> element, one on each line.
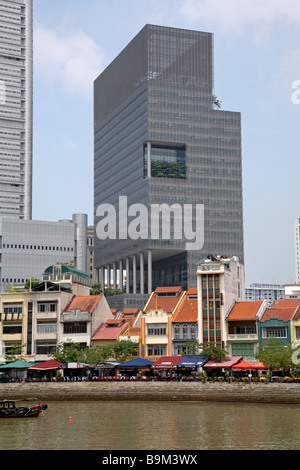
<point>279,320</point>
<point>82,317</point>
<point>133,332</point>
<point>242,328</point>
<point>185,324</point>
<point>156,321</point>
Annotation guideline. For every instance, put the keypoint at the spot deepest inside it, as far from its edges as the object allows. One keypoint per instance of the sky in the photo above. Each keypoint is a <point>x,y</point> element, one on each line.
<point>256,72</point>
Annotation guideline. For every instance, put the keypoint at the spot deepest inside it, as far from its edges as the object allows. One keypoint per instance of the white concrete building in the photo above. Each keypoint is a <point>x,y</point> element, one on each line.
<point>268,292</point>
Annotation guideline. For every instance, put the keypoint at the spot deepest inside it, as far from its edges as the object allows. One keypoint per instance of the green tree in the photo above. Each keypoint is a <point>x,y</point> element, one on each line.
<point>98,354</point>
<point>15,353</point>
<point>123,350</point>
<point>109,292</point>
<point>31,282</point>
<point>96,289</point>
<point>67,352</point>
<point>274,354</point>
<point>213,351</point>
<point>215,102</point>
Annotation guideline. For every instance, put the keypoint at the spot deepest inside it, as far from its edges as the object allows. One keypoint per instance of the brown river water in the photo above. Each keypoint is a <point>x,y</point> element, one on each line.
<point>117,425</point>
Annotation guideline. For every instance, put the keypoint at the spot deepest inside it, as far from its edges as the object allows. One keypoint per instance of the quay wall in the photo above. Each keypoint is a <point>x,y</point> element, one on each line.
<point>152,391</point>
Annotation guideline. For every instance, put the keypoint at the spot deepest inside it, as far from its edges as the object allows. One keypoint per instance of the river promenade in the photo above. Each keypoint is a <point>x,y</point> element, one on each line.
<point>153,391</point>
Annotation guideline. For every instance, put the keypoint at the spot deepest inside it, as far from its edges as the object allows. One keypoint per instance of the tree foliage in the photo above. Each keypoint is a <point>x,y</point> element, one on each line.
<point>15,353</point>
<point>96,289</point>
<point>274,354</point>
<point>210,350</point>
<point>31,282</point>
<point>119,351</point>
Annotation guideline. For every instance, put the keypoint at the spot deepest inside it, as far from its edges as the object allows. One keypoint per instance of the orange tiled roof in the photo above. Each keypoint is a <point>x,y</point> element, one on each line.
<point>284,314</point>
<point>130,315</point>
<point>286,303</point>
<point>107,332</point>
<point>133,331</point>
<point>130,311</point>
<point>245,310</point>
<point>84,303</point>
<point>188,308</point>
<point>167,303</point>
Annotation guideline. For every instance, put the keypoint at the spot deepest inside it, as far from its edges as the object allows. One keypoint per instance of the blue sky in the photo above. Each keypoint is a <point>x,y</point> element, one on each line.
<point>256,62</point>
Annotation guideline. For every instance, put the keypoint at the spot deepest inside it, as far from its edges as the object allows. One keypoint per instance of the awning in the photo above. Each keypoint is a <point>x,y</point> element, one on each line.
<point>18,365</point>
<point>47,365</point>
<point>227,363</point>
<point>243,365</point>
<point>249,365</point>
<point>138,362</point>
<point>192,362</point>
<point>73,365</point>
<point>167,362</point>
<point>106,365</point>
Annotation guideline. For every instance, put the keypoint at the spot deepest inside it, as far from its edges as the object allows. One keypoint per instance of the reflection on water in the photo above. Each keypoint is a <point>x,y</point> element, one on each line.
<point>155,426</point>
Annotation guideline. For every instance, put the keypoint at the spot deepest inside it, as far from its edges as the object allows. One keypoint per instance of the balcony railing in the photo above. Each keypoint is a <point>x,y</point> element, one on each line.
<point>243,337</point>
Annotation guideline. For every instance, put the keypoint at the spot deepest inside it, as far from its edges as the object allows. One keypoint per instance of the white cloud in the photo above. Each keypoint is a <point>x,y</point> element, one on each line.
<point>72,58</point>
<point>235,15</point>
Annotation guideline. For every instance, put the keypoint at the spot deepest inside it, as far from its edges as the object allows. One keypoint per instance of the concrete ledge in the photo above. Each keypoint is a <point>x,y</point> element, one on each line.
<point>143,391</point>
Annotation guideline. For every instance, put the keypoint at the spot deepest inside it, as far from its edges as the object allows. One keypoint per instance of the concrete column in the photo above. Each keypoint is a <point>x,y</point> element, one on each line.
<point>142,273</point>
<point>102,277</point>
<point>134,273</point>
<point>121,275</point>
<point>127,276</point>
<point>108,276</point>
<point>149,271</point>
<point>114,276</point>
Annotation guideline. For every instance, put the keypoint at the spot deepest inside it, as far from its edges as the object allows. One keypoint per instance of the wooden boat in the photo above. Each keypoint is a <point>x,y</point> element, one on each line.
<point>8,409</point>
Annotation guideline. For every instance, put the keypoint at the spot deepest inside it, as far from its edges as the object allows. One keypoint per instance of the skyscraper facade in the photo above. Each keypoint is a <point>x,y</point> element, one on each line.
<point>16,25</point>
<point>167,163</point>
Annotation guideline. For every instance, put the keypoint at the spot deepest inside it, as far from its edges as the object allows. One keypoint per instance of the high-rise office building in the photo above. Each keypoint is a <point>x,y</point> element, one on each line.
<point>16,77</point>
<point>297,249</point>
<point>167,163</point>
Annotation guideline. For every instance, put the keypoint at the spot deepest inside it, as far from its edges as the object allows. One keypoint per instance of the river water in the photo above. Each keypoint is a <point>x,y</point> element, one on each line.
<point>158,425</point>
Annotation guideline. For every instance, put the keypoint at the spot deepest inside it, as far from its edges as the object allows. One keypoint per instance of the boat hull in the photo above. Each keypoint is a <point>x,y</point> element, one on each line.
<point>22,412</point>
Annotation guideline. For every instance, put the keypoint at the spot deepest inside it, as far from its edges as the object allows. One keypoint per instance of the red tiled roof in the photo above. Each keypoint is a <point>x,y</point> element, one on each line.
<point>245,310</point>
<point>286,303</point>
<point>133,331</point>
<point>165,290</point>
<point>130,311</point>
<point>84,303</point>
<point>167,304</point>
<point>188,308</point>
<point>109,332</point>
<point>284,314</point>
<point>130,315</point>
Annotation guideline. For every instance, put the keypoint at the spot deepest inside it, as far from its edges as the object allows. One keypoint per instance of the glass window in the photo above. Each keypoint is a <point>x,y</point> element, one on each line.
<point>157,329</point>
<point>166,161</point>
<point>274,332</point>
<point>157,350</point>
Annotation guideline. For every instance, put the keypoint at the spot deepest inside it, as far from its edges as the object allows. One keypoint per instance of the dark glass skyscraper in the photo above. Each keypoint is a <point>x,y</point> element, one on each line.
<point>160,141</point>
